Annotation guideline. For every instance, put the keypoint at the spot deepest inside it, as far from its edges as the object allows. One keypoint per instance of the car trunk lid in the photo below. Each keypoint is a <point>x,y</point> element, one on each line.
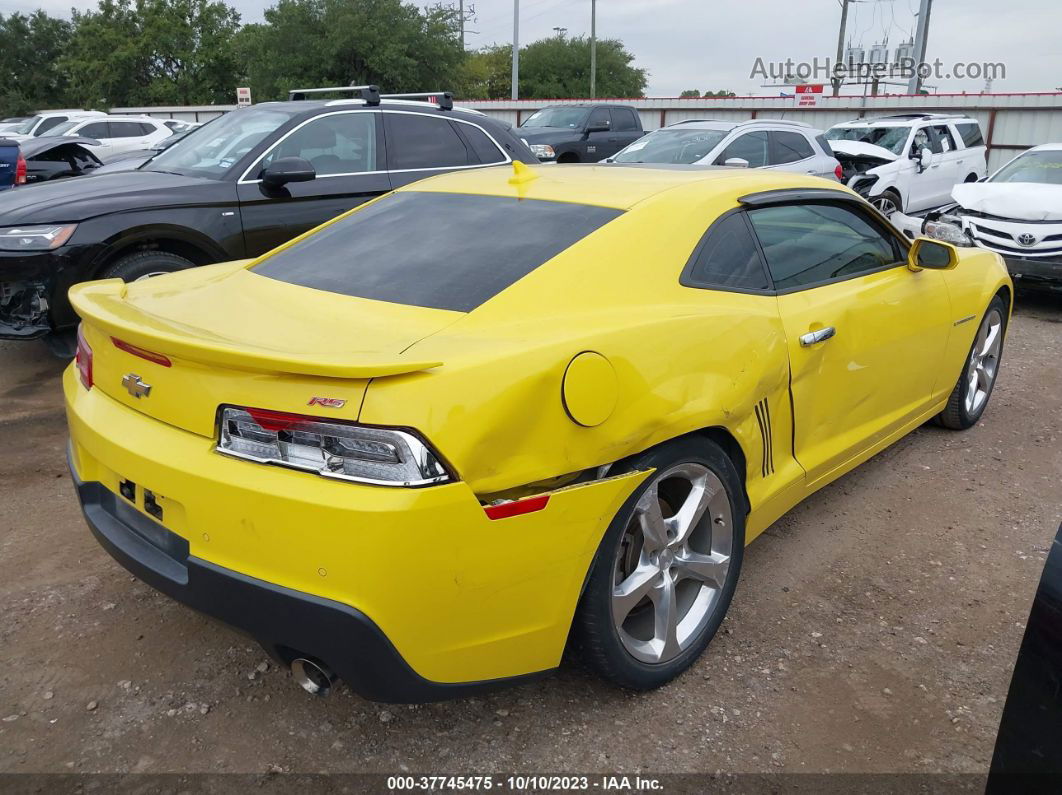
<point>179,346</point>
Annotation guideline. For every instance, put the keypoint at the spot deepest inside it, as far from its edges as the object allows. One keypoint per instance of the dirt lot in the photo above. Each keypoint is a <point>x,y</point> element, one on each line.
<point>874,630</point>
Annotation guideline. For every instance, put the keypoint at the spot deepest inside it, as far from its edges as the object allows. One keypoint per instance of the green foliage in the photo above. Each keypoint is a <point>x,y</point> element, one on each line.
<point>723,93</point>
<point>30,47</point>
<point>190,52</point>
<point>350,42</point>
<point>156,52</point>
<point>690,93</point>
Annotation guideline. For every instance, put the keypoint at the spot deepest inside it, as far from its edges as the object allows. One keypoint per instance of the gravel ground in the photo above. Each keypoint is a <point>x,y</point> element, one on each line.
<point>874,629</point>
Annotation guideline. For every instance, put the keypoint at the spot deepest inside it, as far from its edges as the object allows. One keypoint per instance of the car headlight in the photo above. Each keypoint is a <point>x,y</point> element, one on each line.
<point>35,238</point>
<point>543,150</point>
<point>331,448</point>
<point>947,233</point>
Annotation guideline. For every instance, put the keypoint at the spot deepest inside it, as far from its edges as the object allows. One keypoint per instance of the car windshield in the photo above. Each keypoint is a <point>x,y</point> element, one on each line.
<point>25,127</point>
<point>671,146</point>
<point>1044,168</point>
<point>211,150</point>
<point>59,129</point>
<point>556,117</point>
<point>445,260</point>
<point>892,138</point>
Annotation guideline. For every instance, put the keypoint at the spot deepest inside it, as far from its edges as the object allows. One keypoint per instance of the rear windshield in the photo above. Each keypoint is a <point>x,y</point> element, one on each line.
<point>438,250</point>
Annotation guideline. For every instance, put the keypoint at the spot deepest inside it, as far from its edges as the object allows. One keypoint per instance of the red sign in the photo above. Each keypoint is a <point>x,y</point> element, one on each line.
<point>808,94</point>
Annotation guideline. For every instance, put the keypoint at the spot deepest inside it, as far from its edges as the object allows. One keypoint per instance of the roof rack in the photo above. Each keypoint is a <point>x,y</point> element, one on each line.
<point>917,116</point>
<point>372,96</point>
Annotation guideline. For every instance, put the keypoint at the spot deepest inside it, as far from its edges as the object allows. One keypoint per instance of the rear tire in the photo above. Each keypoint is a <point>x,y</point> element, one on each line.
<point>666,570</point>
<point>144,264</point>
<point>568,157</point>
<point>970,396</point>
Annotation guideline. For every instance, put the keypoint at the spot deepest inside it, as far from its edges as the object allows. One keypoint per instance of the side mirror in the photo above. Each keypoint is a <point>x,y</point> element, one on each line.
<point>288,169</point>
<point>932,255</point>
<point>736,162</point>
<point>592,128</point>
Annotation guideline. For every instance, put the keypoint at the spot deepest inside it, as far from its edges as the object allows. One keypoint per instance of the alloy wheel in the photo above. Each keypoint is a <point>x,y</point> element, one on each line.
<point>983,366</point>
<point>885,204</point>
<point>672,563</point>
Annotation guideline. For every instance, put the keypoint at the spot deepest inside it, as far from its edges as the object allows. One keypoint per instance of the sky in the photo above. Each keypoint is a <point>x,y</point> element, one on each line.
<point>714,44</point>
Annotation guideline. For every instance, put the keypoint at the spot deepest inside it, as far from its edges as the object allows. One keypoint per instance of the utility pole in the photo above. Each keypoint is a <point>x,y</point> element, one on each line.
<point>837,81</point>
<point>593,49</point>
<point>921,39</point>
<point>461,20</point>
<point>516,49</point>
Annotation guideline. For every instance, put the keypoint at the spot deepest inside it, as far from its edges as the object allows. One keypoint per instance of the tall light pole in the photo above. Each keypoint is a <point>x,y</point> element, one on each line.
<point>593,48</point>
<point>837,81</point>
<point>921,39</point>
<point>516,49</point>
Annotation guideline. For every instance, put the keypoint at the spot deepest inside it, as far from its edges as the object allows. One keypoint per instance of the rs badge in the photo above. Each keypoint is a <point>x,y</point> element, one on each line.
<point>136,387</point>
<point>328,403</point>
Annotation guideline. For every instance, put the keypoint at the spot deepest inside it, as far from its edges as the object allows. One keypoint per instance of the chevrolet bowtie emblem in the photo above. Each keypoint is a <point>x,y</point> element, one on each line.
<point>135,387</point>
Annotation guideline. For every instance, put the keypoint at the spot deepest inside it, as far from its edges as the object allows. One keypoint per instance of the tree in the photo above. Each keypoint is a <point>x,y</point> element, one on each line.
<point>390,43</point>
<point>690,93</point>
<point>30,77</point>
<point>560,67</point>
<point>154,52</point>
<point>723,93</point>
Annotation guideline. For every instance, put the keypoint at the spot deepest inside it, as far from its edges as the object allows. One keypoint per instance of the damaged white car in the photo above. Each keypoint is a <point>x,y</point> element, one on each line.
<point>908,162</point>
<point>1017,213</point>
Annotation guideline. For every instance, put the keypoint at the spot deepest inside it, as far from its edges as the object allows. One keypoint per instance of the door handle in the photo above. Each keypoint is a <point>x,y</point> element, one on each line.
<point>815,337</point>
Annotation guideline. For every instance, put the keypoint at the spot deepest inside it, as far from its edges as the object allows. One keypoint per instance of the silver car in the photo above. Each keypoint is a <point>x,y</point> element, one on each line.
<point>760,143</point>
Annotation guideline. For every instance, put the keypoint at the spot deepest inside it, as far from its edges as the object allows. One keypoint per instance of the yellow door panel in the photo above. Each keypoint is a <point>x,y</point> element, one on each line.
<point>853,388</point>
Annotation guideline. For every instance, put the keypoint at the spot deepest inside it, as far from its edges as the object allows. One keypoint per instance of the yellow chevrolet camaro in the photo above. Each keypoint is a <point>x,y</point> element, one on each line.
<point>422,446</point>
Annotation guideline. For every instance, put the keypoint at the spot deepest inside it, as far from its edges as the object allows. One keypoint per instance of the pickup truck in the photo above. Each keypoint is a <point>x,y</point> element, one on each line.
<point>580,133</point>
<point>12,166</point>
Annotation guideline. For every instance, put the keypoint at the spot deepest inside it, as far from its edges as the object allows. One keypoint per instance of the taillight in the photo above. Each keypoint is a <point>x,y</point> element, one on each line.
<point>143,353</point>
<point>20,170</point>
<point>83,359</point>
<point>839,172</point>
<point>333,449</point>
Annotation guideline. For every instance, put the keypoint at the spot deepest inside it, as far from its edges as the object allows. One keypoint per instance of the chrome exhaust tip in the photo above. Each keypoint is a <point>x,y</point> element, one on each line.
<point>312,676</point>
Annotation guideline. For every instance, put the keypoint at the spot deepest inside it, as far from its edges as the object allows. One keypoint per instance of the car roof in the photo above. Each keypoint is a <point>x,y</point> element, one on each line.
<point>906,120</point>
<point>721,124</point>
<point>619,187</point>
<point>311,106</point>
<point>1055,147</point>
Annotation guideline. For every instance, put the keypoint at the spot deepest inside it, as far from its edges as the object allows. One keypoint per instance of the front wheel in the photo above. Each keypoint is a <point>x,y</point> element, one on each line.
<point>971,393</point>
<point>887,203</point>
<point>145,264</point>
<point>666,570</point>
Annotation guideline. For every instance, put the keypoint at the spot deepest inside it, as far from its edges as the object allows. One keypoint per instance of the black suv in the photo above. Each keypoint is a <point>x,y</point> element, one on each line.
<point>240,185</point>
<point>580,133</point>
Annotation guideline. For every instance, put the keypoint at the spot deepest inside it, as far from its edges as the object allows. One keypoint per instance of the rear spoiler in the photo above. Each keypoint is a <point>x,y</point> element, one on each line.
<point>102,304</point>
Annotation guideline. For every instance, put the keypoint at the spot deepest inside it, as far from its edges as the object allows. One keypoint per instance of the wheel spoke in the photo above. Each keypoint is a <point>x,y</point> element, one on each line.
<point>690,514</point>
<point>666,619</point>
<point>991,335</point>
<point>709,569</point>
<point>651,520</point>
<point>627,595</point>
<point>984,381</point>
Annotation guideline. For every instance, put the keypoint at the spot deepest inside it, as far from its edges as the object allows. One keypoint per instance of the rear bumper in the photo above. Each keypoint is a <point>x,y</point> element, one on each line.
<point>285,622</point>
<point>417,584</point>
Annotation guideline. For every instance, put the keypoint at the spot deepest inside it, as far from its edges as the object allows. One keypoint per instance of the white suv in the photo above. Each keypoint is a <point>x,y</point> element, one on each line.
<point>117,134</point>
<point>760,143</point>
<point>45,122</point>
<point>909,162</point>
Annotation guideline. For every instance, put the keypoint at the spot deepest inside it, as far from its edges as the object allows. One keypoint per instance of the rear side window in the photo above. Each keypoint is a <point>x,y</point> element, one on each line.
<point>824,144</point>
<point>750,146</point>
<point>600,117</point>
<point>48,123</point>
<point>727,257</point>
<point>789,147</point>
<point>422,141</point>
<point>125,129</point>
<point>807,244</point>
<point>947,143</point>
<point>971,134</point>
<point>486,150</point>
<point>624,120</point>
<point>438,250</point>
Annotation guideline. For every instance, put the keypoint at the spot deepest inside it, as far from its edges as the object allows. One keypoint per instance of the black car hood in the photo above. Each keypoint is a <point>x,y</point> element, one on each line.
<point>545,135</point>
<point>37,146</point>
<point>82,198</point>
